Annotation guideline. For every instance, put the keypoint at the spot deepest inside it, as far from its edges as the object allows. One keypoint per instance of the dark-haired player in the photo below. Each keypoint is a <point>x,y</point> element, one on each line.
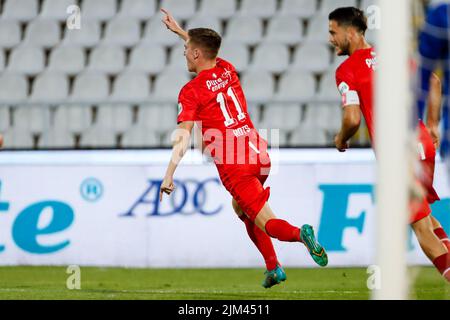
<point>215,99</point>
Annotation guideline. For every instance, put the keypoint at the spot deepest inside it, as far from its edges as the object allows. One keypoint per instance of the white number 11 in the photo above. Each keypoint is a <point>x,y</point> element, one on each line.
<point>229,121</point>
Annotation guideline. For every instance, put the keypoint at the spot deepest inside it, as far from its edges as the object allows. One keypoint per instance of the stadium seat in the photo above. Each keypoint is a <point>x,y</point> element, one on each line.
<point>50,87</point>
<point>98,10</point>
<point>306,136</point>
<point>17,138</point>
<point>159,118</point>
<point>139,137</point>
<point>74,118</point>
<point>90,87</point>
<point>318,29</point>
<point>156,32</point>
<point>177,60</point>
<point>270,57</point>
<point>205,22</point>
<point>107,59</point>
<point>218,8</point>
<point>57,138</point>
<point>67,59</point>
<point>42,33</point>
<point>244,30</point>
<point>138,9</point>
<point>147,57</point>
<point>56,9</point>
<point>337,61</point>
<point>10,33</point>
<point>168,85</point>
<point>258,86</point>
<point>21,10</point>
<point>236,53</point>
<point>131,87</point>
<point>312,57</point>
<point>298,8</point>
<point>330,5</point>
<point>115,118</point>
<point>296,87</point>
<point>87,36</point>
<point>122,32</point>
<point>328,91</point>
<point>371,37</point>
<point>4,118</point>
<point>286,30</point>
<point>326,117</point>
<point>34,119</point>
<point>282,116</point>
<point>367,3</point>
<point>26,60</point>
<point>254,110</point>
<point>98,137</point>
<point>2,60</point>
<point>13,87</point>
<point>264,8</point>
<point>180,9</point>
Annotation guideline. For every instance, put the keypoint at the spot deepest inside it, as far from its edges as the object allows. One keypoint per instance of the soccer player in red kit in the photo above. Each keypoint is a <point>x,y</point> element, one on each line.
<point>355,80</point>
<point>215,100</point>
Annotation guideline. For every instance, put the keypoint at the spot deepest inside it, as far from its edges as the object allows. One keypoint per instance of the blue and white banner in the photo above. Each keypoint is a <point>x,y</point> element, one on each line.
<point>93,211</point>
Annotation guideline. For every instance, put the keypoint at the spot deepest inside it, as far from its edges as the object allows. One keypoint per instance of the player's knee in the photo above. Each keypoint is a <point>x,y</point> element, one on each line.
<point>237,209</point>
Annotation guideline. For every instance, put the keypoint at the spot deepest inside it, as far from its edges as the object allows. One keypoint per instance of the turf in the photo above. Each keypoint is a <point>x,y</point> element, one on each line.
<point>206,284</point>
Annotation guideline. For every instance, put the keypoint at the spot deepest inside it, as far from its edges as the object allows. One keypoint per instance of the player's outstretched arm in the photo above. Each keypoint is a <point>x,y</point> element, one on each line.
<point>173,25</point>
<point>181,137</point>
<point>350,125</point>
<point>434,109</point>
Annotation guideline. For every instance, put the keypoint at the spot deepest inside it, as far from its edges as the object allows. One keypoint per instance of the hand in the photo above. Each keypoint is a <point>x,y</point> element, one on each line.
<point>340,145</point>
<point>171,23</point>
<point>435,135</point>
<point>167,187</point>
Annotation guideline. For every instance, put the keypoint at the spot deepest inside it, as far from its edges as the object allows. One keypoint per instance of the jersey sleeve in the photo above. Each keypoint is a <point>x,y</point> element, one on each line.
<point>346,84</point>
<point>187,105</point>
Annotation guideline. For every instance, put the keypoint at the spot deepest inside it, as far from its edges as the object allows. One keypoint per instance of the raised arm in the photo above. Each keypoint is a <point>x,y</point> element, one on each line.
<point>173,25</point>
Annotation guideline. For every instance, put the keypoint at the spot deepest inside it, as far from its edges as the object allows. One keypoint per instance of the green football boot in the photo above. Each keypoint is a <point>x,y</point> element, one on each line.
<point>316,251</point>
<point>274,277</point>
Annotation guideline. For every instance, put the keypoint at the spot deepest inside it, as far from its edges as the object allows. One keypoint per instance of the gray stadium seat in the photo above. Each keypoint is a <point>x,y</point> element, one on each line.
<point>180,9</point>
<point>21,10</point>
<point>296,87</point>
<point>263,9</point>
<point>34,119</point>
<point>138,137</point>
<point>371,37</point>
<point>367,3</point>
<point>168,85</point>
<point>205,22</point>
<point>26,60</point>
<point>312,57</point>
<point>115,118</point>
<point>285,29</point>
<point>327,88</point>
<point>158,117</point>
<point>13,87</point>
<point>10,33</point>
<point>56,138</point>
<point>16,138</point>
<point>4,118</point>
<point>218,8</point>
<point>330,5</point>
<point>177,60</point>
<point>325,117</point>
<point>254,110</point>
<point>122,32</point>
<point>131,87</point>
<point>306,136</point>
<point>258,86</point>
<point>236,53</point>
<point>50,87</point>
<point>282,116</point>
<point>87,36</point>
<point>271,57</point>
<point>90,86</point>
<point>73,118</point>
<point>298,8</point>
<point>67,59</point>
<point>156,32</point>
<point>98,10</point>
<point>107,59</point>
<point>337,61</point>
<point>98,137</point>
<point>56,9</point>
<point>2,60</point>
<point>147,57</point>
<point>138,9</point>
<point>43,33</point>
<point>244,30</point>
<point>318,29</point>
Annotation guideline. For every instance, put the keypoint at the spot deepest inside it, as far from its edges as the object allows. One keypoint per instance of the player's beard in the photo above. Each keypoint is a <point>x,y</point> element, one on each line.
<point>344,49</point>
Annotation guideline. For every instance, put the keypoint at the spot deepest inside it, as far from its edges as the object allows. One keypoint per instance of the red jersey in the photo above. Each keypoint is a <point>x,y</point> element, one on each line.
<point>355,79</point>
<point>215,100</point>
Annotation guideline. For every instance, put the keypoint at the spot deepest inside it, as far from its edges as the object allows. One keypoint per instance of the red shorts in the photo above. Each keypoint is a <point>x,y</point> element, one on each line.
<point>427,154</point>
<point>245,183</point>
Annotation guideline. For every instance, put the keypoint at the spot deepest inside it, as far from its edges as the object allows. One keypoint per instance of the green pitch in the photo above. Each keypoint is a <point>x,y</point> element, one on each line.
<point>188,284</point>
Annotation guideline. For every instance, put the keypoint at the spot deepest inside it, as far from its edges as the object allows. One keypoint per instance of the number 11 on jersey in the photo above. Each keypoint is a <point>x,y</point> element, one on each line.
<point>229,120</point>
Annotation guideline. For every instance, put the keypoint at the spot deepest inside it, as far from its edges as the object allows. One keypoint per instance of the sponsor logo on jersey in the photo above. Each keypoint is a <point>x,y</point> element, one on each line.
<point>217,84</point>
<point>372,63</point>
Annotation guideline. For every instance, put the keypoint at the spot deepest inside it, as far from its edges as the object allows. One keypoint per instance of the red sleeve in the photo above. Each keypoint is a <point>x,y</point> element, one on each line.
<point>224,64</point>
<point>187,105</point>
<point>346,84</point>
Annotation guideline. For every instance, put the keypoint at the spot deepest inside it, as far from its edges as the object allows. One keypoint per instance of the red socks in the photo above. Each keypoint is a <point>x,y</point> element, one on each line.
<point>440,233</point>
<point>282,230</point>
<point>442,263</point>
<point>262,241</point>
